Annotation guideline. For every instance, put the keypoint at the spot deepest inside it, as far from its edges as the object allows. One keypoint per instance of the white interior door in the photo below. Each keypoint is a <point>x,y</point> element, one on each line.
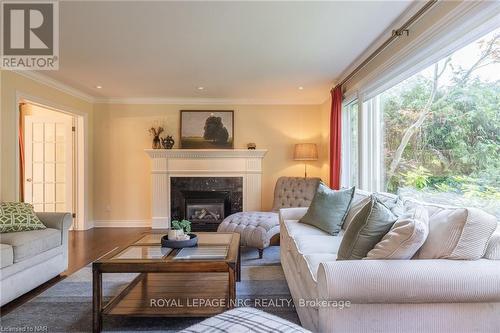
<point>48,147</point>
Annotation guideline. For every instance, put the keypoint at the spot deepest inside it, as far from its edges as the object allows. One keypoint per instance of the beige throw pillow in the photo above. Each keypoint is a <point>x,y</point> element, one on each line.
<point>457,233</point>
<point>493,249</point>
<point>405,238</point>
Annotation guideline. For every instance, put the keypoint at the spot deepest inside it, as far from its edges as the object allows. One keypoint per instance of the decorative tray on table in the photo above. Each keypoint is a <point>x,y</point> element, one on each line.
<point>179,244</point>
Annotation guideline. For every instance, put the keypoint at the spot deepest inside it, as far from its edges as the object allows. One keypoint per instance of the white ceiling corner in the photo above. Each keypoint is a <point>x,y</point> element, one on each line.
<point>241,52</point>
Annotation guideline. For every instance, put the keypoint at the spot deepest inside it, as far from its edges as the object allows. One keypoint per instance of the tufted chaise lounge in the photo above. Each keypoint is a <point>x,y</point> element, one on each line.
<point>259,229</point>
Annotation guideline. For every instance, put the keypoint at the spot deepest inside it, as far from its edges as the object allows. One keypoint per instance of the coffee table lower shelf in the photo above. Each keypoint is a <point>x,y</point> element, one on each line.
<point>168,286</point>
<point>172,295</point>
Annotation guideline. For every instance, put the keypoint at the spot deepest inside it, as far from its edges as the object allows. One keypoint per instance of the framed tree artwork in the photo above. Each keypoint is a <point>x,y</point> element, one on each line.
<point>207,129</point>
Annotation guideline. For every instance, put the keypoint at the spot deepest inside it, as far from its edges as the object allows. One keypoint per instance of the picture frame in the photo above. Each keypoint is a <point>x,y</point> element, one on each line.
<point>207,129</point>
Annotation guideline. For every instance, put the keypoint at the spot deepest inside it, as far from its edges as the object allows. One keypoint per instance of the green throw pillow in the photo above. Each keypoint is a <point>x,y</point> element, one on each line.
<point>328,209</point>
<point>367,228</point>
<point>18,216</point>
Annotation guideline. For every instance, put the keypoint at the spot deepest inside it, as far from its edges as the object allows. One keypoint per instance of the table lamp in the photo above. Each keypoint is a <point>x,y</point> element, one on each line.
<point>305,152</point>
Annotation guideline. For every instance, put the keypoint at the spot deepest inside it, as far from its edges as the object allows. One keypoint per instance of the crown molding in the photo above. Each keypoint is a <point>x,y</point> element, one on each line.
<point>202,101</point>
<point>45,80</point>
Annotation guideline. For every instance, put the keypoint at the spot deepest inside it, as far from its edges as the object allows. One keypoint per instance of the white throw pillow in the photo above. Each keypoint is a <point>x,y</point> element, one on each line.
<point>457,233</point>
<point>493,249</point>
<point>405,238</point>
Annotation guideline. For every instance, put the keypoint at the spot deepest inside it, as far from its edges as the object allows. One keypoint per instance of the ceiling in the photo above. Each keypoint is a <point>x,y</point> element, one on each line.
<point>236,51</point>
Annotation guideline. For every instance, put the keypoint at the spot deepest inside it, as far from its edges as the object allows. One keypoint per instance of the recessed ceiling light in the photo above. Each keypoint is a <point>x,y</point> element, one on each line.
<point>201,88</point>
<point>98,87</point>
<point>301,88</point>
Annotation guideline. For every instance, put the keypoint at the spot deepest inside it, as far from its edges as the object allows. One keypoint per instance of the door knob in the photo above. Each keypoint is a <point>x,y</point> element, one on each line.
<point>29,180</point>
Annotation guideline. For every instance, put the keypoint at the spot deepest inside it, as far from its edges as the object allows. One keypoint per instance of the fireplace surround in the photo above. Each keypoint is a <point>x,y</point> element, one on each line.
<point>205,201</point>
<point>168,164</point>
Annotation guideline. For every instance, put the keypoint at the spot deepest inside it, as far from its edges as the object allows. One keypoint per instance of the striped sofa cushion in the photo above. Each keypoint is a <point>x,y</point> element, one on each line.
<point>242,320</point>
<point>456,233</point>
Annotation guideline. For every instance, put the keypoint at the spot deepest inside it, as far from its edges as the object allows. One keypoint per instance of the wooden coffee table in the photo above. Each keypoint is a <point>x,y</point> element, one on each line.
<point>201,285</point>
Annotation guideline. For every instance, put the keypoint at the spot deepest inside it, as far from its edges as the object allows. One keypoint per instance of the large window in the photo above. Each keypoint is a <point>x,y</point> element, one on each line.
<point>441,130</point>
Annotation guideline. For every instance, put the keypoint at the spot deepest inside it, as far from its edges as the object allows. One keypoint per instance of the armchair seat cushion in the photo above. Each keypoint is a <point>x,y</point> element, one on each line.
<point>6,255</point>
<point>255,228</point>
<point>26,244</point>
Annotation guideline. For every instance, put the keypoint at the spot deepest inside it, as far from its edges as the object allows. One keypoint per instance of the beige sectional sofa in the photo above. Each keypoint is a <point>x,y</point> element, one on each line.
<point>432,295</point>
<point>30,258</point>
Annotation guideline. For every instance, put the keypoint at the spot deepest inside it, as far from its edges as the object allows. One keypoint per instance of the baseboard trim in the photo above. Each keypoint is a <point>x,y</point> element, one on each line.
<point>121,223</point>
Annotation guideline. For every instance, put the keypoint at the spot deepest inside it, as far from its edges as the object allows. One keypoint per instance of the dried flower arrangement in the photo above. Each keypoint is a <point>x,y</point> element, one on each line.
<point>155,133</point>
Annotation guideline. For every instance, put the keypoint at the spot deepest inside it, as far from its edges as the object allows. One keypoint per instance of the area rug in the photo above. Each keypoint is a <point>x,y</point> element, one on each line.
<point>67,306</point>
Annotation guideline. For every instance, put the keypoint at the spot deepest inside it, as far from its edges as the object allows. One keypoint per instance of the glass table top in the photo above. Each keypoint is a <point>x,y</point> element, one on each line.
<point>211,238</point>
<point>150,239</point>
<point>202,252</point>
<point>211,246</point>
<point>142,252</point>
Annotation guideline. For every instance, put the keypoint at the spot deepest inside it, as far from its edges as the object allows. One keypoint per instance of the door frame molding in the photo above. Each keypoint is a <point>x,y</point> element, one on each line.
<point>81,183</point>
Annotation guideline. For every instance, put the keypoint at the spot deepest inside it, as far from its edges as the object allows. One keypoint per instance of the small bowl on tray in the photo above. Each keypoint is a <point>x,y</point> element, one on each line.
<point>179,244</point>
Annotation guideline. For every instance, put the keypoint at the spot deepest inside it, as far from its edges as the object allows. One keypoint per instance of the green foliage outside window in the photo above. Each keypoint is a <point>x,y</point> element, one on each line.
<point>442,129</point>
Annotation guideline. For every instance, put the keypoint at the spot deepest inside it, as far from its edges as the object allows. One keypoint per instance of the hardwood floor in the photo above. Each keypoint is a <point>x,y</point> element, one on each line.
<point>84,247</point>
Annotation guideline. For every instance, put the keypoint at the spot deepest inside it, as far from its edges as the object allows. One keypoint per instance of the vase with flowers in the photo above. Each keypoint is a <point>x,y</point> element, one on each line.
<point>155,133</point>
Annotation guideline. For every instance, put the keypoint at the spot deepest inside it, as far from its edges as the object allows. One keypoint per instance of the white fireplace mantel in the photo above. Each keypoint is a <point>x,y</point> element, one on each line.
<point>168,163</point>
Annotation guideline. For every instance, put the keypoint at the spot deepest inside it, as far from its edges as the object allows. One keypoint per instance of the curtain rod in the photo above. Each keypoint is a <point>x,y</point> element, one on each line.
<point>395,34</point>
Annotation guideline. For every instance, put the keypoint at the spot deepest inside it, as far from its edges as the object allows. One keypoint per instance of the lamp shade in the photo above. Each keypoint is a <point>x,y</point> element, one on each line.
<point>305,152</point>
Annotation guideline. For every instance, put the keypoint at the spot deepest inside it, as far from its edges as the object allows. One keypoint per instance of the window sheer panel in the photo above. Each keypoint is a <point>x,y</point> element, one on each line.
<point>446,28</point>
<point>345,179</point>
<point>371,175</point>
<point>349,175</point>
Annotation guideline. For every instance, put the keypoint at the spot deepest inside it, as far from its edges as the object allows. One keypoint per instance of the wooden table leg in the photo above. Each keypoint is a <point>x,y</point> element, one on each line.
<point>232,287</point>
<point>238,266</point>
<point>96,300</point>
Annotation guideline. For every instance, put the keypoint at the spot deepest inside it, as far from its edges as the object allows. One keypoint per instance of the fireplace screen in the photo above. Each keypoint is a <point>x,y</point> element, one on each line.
<point>205,209</point>
<point>209,212</point>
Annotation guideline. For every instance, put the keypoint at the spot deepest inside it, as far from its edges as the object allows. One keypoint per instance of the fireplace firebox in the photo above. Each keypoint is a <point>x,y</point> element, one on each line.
<point>205,201</point>
<point>206,209</point>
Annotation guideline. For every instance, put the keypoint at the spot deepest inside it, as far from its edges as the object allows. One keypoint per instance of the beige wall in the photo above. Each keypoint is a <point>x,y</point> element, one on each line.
<point>12,84</point>
<point>122,187</point>
<point>119,174</point>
